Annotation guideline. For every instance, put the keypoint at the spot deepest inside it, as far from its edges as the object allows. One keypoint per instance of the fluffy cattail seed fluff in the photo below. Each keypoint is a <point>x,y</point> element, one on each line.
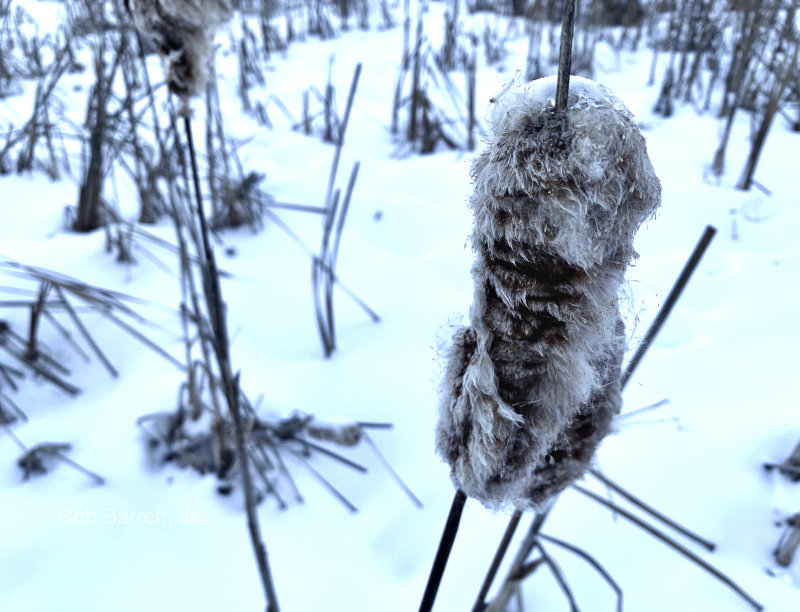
<point>531,386</point>
<point>183,30</point>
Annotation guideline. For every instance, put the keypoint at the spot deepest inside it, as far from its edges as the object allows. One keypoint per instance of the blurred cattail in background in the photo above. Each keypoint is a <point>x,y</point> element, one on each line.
<point>183,30</point>
<point>532,385</point>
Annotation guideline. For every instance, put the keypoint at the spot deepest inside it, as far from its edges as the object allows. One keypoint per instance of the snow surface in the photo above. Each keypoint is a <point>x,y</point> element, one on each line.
<point>726,360</point>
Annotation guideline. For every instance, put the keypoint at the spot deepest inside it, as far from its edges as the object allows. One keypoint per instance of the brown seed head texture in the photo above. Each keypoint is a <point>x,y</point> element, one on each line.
<point>183,30</point>
<point>532,385</point>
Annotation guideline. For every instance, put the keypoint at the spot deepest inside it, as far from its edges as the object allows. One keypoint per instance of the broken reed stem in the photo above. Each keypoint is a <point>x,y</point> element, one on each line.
<point>480,601</point>
<point>442,554</point>
<point>708,545</point>
<point>565,55</point>
<point>671,543</point>
<point>216,310</point>
<point>669,303</point>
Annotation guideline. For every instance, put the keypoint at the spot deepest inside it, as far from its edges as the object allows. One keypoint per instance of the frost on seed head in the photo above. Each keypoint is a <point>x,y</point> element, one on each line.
<point>531,386</point>
<point>583,201</point>
<point>183,30</point>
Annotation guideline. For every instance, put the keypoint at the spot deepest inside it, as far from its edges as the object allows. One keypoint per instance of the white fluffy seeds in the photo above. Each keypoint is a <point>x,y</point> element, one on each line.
<point>183,30</point>
<point>532,385</point>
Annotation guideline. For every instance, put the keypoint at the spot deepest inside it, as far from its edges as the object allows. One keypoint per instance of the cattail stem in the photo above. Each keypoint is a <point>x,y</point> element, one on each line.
<point>230,382</point>
<point>513,523</point>
<point>445,546</point>
<point>669,303</point>
<point>518,572</point>
<point>565,55</point>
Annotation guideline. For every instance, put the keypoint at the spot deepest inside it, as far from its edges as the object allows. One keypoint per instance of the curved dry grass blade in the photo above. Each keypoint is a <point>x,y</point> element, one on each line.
<point>296,207</point>
<point>707,544</point>
<point>672,544</point>
<point>561,579</point>
<point>591,561</point>
<point>340,137</point>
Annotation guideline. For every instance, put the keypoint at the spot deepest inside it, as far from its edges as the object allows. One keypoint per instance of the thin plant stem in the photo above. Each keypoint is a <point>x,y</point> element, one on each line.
<point>513,523</point>
<point>517,572</point>
<point>325,482</point>
<point>661,317</point>
<point>558,574</point>
<point>392,472</point>
<point>340,136</point>
<point>669,303</point>
<point>591,561</point>
<point>442,554</point>
<point>230,382</point>
<point>708,545</point>
<point>77,466</point>
<point>672,544</point>
<point>565,55</point>
<point>333,455</point>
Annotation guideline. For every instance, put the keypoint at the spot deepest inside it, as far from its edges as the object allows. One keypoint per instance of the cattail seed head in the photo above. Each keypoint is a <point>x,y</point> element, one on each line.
<point>531,386</point>
<point>183,30</point>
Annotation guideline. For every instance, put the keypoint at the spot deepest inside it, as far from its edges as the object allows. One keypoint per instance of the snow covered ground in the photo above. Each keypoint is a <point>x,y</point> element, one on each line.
<point>162,539</point>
